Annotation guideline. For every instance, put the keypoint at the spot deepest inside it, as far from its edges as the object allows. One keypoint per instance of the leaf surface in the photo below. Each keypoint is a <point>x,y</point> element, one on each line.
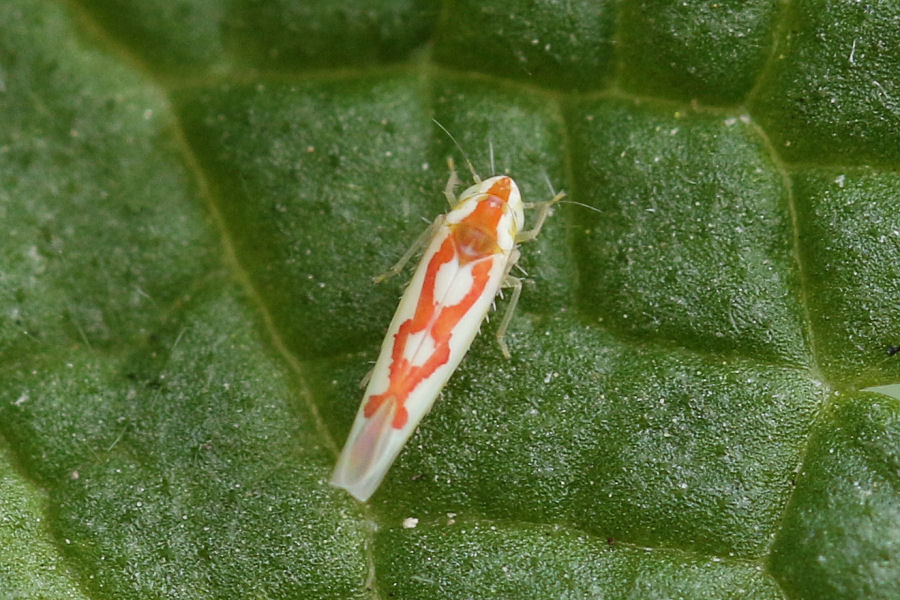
<point>702,399</point>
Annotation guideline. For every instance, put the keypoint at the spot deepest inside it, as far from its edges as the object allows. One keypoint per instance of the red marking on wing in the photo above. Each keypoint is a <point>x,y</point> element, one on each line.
<point>472,239</point>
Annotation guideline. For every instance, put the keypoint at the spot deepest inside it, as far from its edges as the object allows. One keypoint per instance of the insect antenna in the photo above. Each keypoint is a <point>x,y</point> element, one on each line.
<point>561,201</point>
<point>587,206</point>
<point>466,156</point>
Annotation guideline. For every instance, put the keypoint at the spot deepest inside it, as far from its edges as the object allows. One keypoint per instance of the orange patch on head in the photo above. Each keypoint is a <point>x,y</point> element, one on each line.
<point>500,189</point>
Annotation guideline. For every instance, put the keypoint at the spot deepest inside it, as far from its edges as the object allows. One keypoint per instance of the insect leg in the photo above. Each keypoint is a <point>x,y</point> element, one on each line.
<point>491,147</point>
<point>452,183</point>
<point>365,380</point>
<point>509,281</point>
<point>527,236</point>
<point>414,249</point>
<point>516,284</point>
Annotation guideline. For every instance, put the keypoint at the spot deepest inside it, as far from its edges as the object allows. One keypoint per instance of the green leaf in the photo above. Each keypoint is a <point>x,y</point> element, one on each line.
<point>31,564</point>
<point>841,532</point>
<point>702,399</point>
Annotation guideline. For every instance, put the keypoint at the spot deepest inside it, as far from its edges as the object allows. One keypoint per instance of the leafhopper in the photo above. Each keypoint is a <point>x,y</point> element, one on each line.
<point>469,253</point>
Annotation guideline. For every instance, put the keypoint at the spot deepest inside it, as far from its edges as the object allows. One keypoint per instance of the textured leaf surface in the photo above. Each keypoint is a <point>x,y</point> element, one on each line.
<point>702,400</point>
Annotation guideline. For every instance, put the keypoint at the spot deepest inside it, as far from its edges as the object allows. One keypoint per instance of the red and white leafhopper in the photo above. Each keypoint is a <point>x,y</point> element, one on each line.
<point>470,252</point>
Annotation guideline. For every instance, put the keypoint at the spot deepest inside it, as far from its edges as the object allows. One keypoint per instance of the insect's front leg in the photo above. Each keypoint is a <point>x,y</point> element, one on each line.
<point>419,243</point>
<point>452,183</point>
<point>527,236</point>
